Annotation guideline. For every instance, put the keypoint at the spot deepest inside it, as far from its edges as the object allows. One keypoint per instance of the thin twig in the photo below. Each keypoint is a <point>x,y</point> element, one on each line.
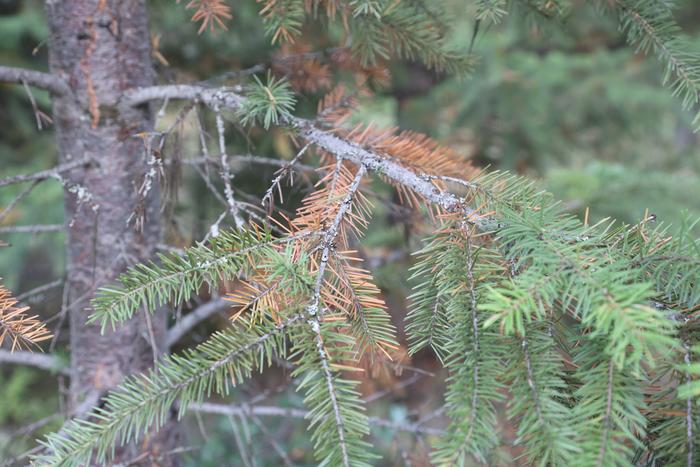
<point>226,173</point>
<point>271,441</point>
<point>606,422</point>
<point>39,116</point>
<point>45,174</point>
<point>22,194</point>
<point>400,385</point>
<point>65,296</point>
<point>38,290</point>
<point>281,173</point>
<point>531,381</point>
<point>152,338</point>
<point>32,229</point>
<point>475,335</point>
<point>247,158</point>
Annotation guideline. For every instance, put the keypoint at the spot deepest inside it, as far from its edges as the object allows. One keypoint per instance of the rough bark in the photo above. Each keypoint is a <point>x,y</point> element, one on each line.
<point>101,48</point>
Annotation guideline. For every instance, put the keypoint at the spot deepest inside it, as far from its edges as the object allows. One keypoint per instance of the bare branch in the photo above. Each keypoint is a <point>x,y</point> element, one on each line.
<point>226,172</point>
<point>40,116</point>
<point>286,412</point>
<point>37,360</point>
<point>37,79</point>
<point>32,229</point>
<point>44,174</point>
<point>189,321</point>
<point>248,158</point>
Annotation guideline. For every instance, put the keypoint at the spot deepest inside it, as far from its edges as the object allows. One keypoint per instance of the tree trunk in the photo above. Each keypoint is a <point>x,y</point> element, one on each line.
<point>102,48</point>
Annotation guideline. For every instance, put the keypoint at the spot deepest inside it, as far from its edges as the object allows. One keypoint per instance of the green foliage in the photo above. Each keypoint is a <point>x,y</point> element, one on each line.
<point>427,318</point>
<point>381,29</point>
<point>407,30</point>
<point>367,7</point>
<point>175,278</point>
<point>491,10</point>
<point>672,264</point>
<point>268,104</point>
<point>145,401</point>
<point>541,399</point>
<point>600,287</point>
<point>600,279</point>
<point>491,305</point>
<point>650,25</point>
<point>664,194</point>
<point>283,19</point>
<point>609,412</point>
<point>474,354</point>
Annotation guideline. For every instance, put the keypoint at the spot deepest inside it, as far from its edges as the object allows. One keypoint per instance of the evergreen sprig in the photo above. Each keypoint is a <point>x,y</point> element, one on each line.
<point>406,31</point>
<point>175,278</point>
<point>144,401</point>
<point>610,408</point>
<point>541,399</point>
<point>491,10</point>
<point>650,25</point>
<point>268,104</point>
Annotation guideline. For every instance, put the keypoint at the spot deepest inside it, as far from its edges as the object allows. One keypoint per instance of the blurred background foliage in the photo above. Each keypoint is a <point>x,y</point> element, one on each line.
<point>565,101</point>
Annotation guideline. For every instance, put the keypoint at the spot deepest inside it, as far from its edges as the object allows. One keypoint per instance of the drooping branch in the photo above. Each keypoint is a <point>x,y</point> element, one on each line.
<point>37,79</point>
<point>37,360</point>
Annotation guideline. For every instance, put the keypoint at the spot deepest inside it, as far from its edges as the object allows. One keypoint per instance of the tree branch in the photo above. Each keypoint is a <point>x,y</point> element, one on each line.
<point>248,158</point>
<point>348,150</point>
<point>37,79</point>
<point>37,360</point>
<point>190,320</point>
<point>286,412</point>
<point>32,229</point>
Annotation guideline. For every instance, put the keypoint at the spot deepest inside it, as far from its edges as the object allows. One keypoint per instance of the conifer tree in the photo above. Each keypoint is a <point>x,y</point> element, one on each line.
<point>586,333</point>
